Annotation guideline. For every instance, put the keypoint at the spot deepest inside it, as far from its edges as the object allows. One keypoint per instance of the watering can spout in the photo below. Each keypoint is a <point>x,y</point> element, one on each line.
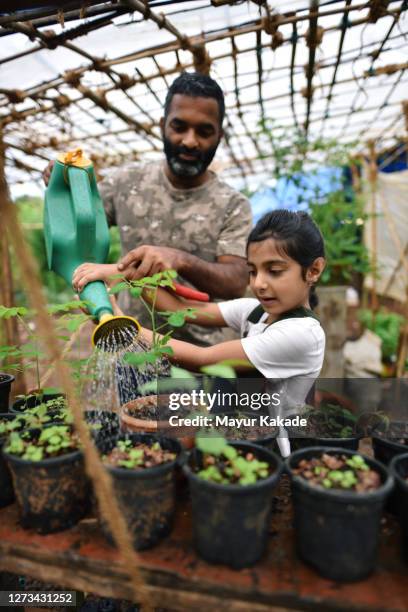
<point>76,231</point>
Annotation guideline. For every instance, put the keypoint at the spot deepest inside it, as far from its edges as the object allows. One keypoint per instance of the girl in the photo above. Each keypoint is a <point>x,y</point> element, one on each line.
<point>280,337</point>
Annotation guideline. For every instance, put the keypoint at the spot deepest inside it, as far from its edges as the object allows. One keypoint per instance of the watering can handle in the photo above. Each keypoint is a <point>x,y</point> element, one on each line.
<point>84,213</point>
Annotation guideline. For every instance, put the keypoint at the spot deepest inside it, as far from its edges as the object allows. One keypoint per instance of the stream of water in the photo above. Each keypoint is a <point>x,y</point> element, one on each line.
<point>110,382</point>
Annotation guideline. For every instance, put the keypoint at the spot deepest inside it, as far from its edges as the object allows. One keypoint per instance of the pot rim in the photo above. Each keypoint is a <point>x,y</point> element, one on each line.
<point>142,424</point>
<point>340,495</point>
<point>394,472</point>
<point>237,488</point>
<point>349,439</point>
<point>8,378</point>
<point>21,401</point>
<point>389,442</point>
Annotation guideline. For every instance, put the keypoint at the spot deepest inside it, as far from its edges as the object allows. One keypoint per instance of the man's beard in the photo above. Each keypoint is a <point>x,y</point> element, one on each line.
<point>183,167</point>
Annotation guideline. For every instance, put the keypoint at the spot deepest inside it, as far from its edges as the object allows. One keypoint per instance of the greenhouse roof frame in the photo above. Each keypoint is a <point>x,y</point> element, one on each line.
<point>333,69</point>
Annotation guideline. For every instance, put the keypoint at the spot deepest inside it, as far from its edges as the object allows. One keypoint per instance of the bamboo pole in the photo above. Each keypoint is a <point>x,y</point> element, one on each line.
<point>372,178</point>
<point>402,352</point>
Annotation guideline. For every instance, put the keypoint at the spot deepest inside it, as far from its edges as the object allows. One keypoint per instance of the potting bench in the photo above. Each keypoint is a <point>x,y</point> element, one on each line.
<point>81,559</point>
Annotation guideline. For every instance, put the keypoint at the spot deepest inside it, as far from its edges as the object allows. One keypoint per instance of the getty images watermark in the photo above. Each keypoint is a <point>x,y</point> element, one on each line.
<point>246,401</point>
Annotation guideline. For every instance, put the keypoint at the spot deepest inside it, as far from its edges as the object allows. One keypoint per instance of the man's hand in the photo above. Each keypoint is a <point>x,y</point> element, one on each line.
<point>147,260</point>
<point>47,172</point>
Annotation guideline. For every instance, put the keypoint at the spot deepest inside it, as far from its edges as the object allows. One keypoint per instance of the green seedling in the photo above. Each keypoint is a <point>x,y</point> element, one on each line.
<point>357,463</point>
<point>139,457</point>
<point>135,458</point>
<point>52,441</point>
<point>244,471</point>
<point>331,420</point>
<point>47,412</point>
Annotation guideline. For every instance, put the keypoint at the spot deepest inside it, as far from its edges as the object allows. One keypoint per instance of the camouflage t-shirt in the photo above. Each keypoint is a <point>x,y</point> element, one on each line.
<point>206,221</point>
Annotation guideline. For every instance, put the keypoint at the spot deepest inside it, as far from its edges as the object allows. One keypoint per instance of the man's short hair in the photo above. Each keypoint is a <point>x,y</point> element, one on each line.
<point>196,85</point>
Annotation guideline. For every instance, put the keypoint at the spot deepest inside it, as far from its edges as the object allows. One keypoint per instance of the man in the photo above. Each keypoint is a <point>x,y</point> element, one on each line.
<point>178,214</point>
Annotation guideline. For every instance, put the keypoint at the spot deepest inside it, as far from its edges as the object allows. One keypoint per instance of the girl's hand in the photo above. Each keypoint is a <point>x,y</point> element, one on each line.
<point>89,272</point>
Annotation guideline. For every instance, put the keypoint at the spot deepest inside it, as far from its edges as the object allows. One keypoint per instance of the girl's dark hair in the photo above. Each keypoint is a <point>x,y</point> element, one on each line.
<point>196,85</point>
<point>298,235</point>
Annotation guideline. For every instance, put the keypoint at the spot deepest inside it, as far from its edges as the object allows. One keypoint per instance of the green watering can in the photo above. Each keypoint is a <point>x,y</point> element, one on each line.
<point>76,231</point>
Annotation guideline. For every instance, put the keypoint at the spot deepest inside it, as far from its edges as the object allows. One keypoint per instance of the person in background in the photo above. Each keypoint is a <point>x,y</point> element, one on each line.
<point>176,213</point>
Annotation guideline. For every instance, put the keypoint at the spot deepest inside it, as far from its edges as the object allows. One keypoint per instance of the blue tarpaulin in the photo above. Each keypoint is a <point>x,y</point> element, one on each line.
<point>296,193</point>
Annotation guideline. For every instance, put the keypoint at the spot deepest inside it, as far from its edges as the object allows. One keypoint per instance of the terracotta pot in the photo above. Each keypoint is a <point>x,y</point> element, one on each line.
<point>130,422</point>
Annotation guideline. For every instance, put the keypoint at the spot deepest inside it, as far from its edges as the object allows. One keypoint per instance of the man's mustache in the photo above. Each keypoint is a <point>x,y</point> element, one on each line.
<point>186,151</point>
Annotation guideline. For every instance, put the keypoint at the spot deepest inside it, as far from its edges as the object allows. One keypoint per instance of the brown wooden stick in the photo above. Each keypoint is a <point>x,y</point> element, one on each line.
<point>372,177</point>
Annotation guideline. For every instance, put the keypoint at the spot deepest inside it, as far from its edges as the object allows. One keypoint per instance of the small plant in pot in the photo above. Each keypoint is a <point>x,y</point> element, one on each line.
<point>143,468</point>
<point>6,483</point>
<point>51,487</point>
<point>338,497</point>
<point>47,412</point>
<point>30,356</point>
<point>231,489</point>
<point>389,439</point>
<point>56,411</point>
<point>328,425</point>
<point>34,399</point>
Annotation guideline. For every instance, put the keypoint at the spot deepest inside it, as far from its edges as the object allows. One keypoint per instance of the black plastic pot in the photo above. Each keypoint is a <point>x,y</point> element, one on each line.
<point>337,531</point>
<point>399,469</point>
<point>385,449</point>
<point>6,381</point>
<point>230,522</point>
<point>6,483</point>
<point>32,401</point>
<point>146,496</point>
<point>52,494</point>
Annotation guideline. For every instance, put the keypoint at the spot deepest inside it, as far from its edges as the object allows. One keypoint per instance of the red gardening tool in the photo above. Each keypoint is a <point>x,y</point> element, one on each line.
<point>190,294</point>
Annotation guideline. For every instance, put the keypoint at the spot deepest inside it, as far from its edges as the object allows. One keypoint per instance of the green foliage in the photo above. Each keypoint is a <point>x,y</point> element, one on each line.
<point>139,456</point>
<point>134,455</point>
<point>30,211</point>
<point>332,420</point>
<point>51,442</point>
<point>387,325</point>
<point>30,354</point>
<point>341,478</point>
<point>159,347</point>
<point>38,416</point>
<point>233,466</point>
<point>340,219</point>
<point>339,214</point>
<point>344,479</point>
<point>357,463</point>
<point>220,370</point>
<point>213,445</point>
